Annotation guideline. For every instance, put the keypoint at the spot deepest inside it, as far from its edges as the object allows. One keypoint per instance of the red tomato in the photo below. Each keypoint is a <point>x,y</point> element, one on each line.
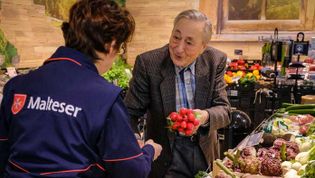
<point>183,124</point>
<point>233,64</point>
<point>191,117</point>
<point>253,68</point>
<point>188,132</point>
<point>196,122</point>
<point>185,118</point>
<point>183,111</point>
<point>240,62</point>
<point>229,73</point>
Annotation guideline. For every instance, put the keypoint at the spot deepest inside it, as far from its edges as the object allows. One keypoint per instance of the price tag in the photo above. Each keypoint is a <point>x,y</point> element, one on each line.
<point>243,143</point>
<point>234,93</point>
<point>255,139</point>
<point>251,140</point>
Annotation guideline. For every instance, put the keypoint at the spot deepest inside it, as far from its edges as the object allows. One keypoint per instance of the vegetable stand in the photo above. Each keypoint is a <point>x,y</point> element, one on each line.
<point>283,145</point>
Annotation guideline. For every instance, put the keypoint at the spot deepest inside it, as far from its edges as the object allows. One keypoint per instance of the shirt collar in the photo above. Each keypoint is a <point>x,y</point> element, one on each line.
<point>190,66</point>
<point>72,55</point>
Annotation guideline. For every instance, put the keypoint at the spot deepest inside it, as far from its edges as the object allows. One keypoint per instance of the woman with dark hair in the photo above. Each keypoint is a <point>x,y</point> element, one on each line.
<point>63,119</point>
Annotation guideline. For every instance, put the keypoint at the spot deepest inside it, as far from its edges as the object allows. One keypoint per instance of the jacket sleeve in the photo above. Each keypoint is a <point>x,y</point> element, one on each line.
<point>119,148</point>
<point>138,96</point>
<point>219,112</point>
<point>4,130</point>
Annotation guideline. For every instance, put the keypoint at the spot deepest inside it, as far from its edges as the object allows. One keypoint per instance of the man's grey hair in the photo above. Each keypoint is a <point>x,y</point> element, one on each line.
<point>196,15</point>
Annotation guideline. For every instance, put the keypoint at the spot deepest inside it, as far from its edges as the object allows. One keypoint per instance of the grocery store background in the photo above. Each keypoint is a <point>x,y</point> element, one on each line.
<point>33,26</point>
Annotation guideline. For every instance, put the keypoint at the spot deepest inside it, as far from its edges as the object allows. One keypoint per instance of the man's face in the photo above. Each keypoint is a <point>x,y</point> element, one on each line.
<point>186,42</point>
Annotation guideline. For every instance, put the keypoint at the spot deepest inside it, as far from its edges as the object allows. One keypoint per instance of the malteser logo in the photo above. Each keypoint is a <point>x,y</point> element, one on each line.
<point>49,104</point>
<point>41,104</point>
<point>18,103</point>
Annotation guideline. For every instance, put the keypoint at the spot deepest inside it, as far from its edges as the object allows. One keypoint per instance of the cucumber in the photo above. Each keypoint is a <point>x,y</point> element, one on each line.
<point>300,106</point>
<point>302,111</point>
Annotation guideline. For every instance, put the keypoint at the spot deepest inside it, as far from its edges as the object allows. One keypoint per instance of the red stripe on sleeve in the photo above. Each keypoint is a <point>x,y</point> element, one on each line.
<point>123,159</point>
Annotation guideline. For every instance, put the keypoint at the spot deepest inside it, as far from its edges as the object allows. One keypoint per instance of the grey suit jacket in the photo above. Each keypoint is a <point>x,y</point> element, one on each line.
<point>152,91</point>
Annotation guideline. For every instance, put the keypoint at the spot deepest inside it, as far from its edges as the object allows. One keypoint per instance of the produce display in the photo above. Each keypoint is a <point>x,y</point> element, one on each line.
<point>119,74</point>
<point>4,78</point>
<point>184,122</point>
<point>285,149</point>
<point>239,71</point>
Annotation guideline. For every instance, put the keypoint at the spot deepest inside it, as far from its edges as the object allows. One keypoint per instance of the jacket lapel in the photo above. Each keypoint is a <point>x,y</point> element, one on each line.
<point>167,86</point>
<point>202,92</point>
<point>168,92</point>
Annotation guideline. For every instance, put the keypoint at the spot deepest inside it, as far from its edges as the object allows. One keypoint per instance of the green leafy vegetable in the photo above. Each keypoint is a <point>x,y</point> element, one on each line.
<point>201,174</point>
<point>311,129</point>
<point>119,74</point>
<point>309,170</point>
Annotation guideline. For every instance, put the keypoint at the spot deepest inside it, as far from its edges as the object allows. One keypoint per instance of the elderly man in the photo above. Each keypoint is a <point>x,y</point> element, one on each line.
<point>185,73</point>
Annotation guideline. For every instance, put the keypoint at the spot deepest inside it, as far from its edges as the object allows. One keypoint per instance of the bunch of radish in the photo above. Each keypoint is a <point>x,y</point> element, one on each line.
<point>183,122</point>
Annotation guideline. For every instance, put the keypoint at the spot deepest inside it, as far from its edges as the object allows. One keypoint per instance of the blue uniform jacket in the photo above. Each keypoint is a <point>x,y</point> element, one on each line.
<point>64,120</point>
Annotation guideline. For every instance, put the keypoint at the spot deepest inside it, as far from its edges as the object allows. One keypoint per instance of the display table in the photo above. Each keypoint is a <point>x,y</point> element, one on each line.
<point>283,145</point>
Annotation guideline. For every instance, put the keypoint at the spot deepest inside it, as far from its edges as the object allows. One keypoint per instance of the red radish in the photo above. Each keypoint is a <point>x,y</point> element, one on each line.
<point>180,130</point>
<point>183,124</point>
<point>190,126</point>
<point>179,118</point>
<point>196,122</point>
<point>189,111</point>
<point>174,126</point>
<point>173,116</point>
<point>177,124</point>
<point>183,121</point>
<point>191,117</point>
<point>183,111</point>
<point>188,132</point>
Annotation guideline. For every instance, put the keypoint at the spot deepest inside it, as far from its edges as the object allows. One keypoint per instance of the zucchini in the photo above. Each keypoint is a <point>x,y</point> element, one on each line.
<point>302,111</point>
<point>300,106</point>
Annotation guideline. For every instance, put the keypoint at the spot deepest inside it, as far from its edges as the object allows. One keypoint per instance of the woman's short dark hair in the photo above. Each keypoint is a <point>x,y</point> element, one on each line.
<point>94,23</point>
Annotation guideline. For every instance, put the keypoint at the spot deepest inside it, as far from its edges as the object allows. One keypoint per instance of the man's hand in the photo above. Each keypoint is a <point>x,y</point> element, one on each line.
<point>141,143</point>
<point>203,118</point>
<point>157,148</point>
<point>139,140</point>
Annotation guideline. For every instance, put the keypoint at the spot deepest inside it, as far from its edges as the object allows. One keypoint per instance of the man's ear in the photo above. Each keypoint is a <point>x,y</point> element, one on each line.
<point>110,47</point>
